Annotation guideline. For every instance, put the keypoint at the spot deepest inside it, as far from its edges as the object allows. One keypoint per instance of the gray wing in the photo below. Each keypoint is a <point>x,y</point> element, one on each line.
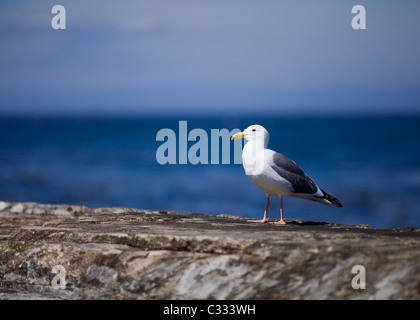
<point>290,171</point>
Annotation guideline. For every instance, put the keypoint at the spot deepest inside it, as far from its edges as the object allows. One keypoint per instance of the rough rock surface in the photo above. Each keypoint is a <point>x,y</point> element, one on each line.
<point>119,253</point>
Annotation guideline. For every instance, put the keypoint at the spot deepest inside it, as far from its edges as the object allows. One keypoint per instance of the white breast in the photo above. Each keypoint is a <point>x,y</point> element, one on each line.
<point>257,165</point>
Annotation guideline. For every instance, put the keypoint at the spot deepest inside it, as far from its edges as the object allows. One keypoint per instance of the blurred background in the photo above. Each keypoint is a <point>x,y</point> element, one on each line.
<point>80,108</point>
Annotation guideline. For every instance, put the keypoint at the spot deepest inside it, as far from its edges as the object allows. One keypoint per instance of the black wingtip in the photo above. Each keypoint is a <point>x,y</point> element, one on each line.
<point>334,201</point>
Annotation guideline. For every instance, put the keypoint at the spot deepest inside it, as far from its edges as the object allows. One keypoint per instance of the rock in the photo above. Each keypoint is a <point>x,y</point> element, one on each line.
<point>122,253</point>
<point>3,205</point>
<point>17,208</point>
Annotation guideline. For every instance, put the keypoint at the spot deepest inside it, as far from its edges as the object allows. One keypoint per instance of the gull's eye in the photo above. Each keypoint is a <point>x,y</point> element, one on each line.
<point>253,130</point>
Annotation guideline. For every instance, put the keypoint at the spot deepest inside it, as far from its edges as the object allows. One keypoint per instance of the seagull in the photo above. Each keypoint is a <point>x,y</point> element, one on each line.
<point>276,174</point>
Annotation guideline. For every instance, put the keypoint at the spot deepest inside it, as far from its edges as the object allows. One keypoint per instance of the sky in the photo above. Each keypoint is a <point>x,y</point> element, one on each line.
<point>209,56</point>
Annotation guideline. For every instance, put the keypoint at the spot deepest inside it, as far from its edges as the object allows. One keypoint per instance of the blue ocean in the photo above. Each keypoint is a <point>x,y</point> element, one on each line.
<point>372,164</point>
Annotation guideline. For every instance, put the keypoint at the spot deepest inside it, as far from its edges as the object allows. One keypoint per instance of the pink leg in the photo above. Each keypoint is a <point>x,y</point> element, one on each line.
<point>263,220</point>
<point>281,222</point>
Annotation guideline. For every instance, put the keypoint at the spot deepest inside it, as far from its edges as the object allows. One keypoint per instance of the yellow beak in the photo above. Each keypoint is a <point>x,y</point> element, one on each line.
<point>238,135</point>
